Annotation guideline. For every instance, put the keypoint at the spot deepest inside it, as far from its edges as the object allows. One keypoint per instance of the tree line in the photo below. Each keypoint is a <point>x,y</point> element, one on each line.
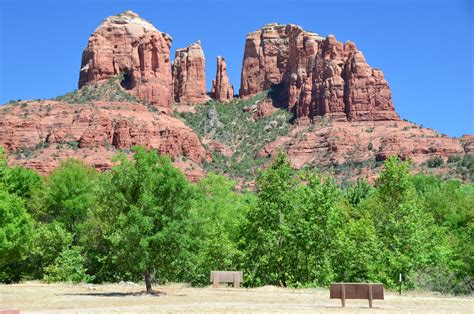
<point>144,221</point>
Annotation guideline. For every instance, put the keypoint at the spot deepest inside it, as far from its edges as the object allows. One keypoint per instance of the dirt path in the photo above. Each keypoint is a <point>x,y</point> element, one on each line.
<point>34,297</point>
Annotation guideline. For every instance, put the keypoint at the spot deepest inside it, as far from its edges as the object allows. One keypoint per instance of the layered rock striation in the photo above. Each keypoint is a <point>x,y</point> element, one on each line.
<point>41,133</point>
<point>314,76</point>
<point>129,45</point>
<point>189,75</point>
<point>222,90</point>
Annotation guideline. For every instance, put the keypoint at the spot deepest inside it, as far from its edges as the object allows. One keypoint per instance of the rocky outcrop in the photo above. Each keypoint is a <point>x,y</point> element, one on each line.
<point>314,76</point>
<point>222,90</point>
<point>129,45</point>
<point>362,143</point>
<point>265,59</point>
<point>189,75</point>
<point>41,133</point>
<point>468,143</point>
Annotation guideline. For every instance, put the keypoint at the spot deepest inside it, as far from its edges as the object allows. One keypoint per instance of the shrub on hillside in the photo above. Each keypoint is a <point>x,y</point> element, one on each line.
<point>434,162</point>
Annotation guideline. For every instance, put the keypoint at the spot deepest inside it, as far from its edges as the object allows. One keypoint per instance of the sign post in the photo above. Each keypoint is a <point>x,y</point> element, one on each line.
<point>400,282</point>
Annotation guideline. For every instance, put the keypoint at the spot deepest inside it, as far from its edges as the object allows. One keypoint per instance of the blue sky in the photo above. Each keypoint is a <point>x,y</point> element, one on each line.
<point>425,48</point>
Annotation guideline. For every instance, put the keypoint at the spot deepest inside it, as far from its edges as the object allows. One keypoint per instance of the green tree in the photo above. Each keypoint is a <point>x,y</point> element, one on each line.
<point>402,227</point>
<point>358,192</point>
<point>267,232</point>
<point>321,216</point>
<point>15,235</point>
<point>48,241</point>
<point>450,203</point>
<point>147,206</point>
<point>68,195</point>
<point>219,212</point>
<point>357,251</point>
<point>68,267</point>
<point>22,181</point>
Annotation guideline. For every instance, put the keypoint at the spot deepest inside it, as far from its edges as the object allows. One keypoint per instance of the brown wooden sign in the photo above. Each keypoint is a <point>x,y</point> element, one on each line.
<point>235,277</point>
<point>368,291</point>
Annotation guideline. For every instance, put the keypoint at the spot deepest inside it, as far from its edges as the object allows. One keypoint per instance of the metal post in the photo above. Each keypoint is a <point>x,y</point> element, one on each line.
<point>370,295</point>
<point>343,295</point>
<point>400,284</point>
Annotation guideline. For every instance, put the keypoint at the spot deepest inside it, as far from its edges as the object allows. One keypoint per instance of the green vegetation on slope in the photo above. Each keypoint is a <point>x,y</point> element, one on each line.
<point>108,91</point>
<point>233,125</point>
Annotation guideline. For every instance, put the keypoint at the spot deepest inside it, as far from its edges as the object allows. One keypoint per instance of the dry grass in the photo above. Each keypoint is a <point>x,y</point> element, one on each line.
<point>36,297</point>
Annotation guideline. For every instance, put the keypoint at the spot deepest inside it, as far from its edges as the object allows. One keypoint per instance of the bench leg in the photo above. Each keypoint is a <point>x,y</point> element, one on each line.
<point>215,281</point>
<point>236,284</point>
<point>343,295</point>
<point>370,296</point>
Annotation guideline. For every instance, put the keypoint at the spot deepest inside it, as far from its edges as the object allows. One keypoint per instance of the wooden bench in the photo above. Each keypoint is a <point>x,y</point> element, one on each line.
<point>369,291</point>
<point>235,277</point>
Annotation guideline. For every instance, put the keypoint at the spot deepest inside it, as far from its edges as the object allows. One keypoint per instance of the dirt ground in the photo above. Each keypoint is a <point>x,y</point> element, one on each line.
<point>36,297</point>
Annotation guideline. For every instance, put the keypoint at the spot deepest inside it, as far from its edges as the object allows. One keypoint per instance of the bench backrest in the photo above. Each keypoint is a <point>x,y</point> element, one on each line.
<point>227,276</point>
<point>356,291</point>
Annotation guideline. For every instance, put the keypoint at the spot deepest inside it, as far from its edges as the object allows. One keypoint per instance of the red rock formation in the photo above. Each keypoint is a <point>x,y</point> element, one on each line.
<point>222,90</point>
<point>189,76</point>
<point>368,96</point>
<point>264,109</point>
<point>265,59</point>
<point>51,131</point>
<point>468,143</point>
<point>130,45</point>
<point>317,76</point>
<point>363,142</point>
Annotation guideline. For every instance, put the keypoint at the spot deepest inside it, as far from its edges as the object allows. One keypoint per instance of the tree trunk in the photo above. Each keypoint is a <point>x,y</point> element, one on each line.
<point>283,280</point>
<point>148,280</point>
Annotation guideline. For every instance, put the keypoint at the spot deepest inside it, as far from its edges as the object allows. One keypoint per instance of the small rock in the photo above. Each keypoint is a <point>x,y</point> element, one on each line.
<point>213,117</point>
<point>251,108</point>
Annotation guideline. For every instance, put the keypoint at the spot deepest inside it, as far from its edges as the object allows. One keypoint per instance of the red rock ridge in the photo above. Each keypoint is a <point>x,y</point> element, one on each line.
<point>317,76</point>
<point>130,45</point>
<point>51,131</point>
<point>189,75</point>
<point>222,90</point>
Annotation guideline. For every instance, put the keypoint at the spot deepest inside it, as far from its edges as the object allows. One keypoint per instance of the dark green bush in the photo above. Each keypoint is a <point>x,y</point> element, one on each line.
<point>434,162</point>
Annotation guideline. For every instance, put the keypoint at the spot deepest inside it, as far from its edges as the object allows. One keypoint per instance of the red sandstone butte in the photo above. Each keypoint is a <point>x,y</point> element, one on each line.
<point>222,90</point>
<point>315,76</point>
<point>129,45</point>
<point>189,75</point>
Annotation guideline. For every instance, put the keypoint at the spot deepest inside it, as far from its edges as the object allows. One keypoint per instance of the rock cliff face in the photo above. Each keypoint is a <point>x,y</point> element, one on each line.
<point>189,75</point>
<point>222,90</point>
<point>41,133</point>
<point>314,76</point>
<point>127,44</point>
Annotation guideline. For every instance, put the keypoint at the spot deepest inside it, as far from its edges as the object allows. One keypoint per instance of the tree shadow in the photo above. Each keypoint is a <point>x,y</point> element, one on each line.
<point>118,294</point>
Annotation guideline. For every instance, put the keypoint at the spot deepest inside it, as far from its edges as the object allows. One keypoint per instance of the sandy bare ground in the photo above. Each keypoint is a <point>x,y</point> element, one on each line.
<point>36,297</point>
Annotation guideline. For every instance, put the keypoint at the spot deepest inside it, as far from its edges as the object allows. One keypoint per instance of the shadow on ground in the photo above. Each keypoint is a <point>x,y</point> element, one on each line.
<point>118,294</point>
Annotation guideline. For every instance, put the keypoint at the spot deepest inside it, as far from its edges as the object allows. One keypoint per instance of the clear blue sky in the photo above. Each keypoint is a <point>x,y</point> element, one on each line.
<point>425,48</point>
